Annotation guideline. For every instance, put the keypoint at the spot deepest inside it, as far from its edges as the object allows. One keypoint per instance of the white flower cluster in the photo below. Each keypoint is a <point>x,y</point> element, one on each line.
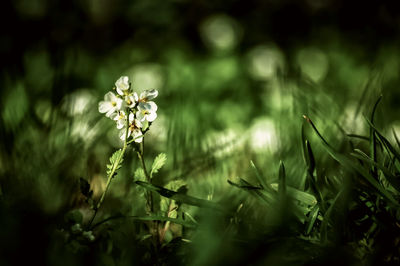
<point>126,108</point>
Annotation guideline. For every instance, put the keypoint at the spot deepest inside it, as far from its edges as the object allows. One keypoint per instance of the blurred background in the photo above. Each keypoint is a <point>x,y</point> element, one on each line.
<point>234,79</point>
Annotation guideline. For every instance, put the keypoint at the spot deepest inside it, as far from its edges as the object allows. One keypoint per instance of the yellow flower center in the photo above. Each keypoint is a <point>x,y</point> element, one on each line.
<point>113,103</point>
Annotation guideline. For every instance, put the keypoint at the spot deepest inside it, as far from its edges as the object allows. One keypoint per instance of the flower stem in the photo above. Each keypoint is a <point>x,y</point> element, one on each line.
<point>149,200</point>
<point>110,176</point>
<point>149,197</point>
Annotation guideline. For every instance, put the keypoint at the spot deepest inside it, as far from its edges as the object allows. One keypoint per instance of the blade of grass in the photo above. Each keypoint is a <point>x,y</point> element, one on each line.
<point>347,163</point>
<point>372,138</point>
<point>396,138</point>
<point>303,197</point>
<point>282,179</point>
<point>392,179</point>
<point>260,177</point>
<point>327,217</point>
<point>179,196</point>
<point>313,217</point>
<point>358,137</point>
<point>385,141</point>
<point>386,144</point>
<point>257,192</point>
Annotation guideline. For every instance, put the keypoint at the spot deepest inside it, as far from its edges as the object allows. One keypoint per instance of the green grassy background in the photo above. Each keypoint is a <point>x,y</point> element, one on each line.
<point>234,80</point>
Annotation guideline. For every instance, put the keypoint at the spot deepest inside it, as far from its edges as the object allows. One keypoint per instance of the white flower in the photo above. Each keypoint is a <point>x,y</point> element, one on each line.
<point>147,95</point>
<point>120,118</point>
<point>122,85</point>
<point>110,105</point>
<point>147,111</point>
<point>134,129</point>
<point>130,101</point>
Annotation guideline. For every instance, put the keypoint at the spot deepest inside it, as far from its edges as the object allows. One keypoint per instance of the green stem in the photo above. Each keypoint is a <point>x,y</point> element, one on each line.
<point>149,203</point>
<point>111,175</point>
<point>149,198</point>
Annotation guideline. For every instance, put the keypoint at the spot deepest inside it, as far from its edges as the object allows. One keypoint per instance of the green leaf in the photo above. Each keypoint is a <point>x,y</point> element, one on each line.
<point>257,192</point>
<point>74,217</point>
<point>158,163</point>
<point>175,185</point>
<point>396,138</point>
<point>312,218</point>
<point>349,164</point>
<point>14,107</point>
<point>260,177</point>
<point>169,206</point>
<point>358,136</point>
<point>282,179</point>
<point>180,197</point>
<point>139,175</point>
<point>303,197</point>
<point>113,160</point>
<point>392,179</point>
<point>372,137</point>
<point>385,141</point>
<point>327,217</point>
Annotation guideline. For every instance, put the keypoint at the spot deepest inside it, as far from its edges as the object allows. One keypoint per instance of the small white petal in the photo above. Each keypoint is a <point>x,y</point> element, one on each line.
<point>119,91</point>
<point>151,94</point>
<point>119,102</point>
<point>111,112</point>
<point>122,134</point>
<point>151,116</point>
<point>144,106</point>
<point>148,95</point>
<point>130,101</point>
<point>138,123</point>
<point>104,106</point>
<point>131,118</point>
<point>141,115</point>
<point>136,97</point>
<point>153,106</point>
<point>137,136</point>
<point>109,96</point>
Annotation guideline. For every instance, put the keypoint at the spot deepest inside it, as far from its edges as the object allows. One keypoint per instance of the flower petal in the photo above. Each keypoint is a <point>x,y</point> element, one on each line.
<point>131,118</point>
<point>153,106</point>
<point>151,116</point>
<point>137,136</point>
<point>122,84</point>
<point>122,134</point>
<point>141,115</point>
<point>139,123</point>
<point>149,94</point>
<point>104,106</point>
<point>109,96</point>
<point>144,106</point>
<point>111,112</point>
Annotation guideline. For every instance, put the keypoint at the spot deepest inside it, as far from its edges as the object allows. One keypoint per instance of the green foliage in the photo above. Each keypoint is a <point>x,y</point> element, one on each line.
<point>158,163</point>
<point>14,107</point>
<point>115,162</point>
<point>139,175</point>
<point>226,99</point>
<point>73,217</point>
<point>179,196</point>
<point>168,206</point>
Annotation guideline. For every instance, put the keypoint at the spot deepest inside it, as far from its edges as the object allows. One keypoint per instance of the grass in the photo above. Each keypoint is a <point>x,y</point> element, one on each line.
<point>245,179</point>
